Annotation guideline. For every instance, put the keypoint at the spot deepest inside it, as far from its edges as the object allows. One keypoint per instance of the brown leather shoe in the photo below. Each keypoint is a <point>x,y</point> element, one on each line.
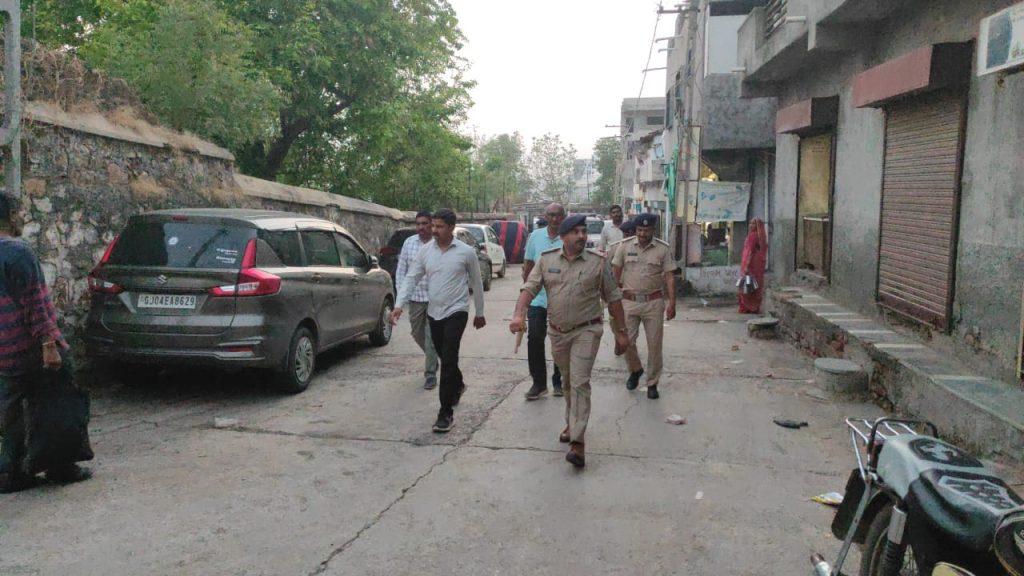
<point>575,455</point>
<point>564,436</point>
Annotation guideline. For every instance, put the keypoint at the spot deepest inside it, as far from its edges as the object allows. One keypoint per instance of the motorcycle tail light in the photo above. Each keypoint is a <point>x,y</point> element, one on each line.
<point>1009,543</point>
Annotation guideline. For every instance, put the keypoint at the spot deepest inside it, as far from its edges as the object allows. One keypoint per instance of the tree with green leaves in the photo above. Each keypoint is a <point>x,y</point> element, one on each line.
<point>188,61</point>
<point>499,173</point>
<point>606,157</point>
<point>343,65</point>
<point>358,97</point>
<point>551,164</point>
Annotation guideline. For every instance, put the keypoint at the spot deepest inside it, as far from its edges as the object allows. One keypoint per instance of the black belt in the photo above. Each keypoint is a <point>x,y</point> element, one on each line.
<point>581,325</point>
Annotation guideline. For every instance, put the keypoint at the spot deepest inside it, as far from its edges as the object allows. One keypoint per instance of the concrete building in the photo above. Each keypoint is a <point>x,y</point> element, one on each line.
<point>639,117</point>
<point>711,131</point>
<point>899,168</point>
<point>584,175</point>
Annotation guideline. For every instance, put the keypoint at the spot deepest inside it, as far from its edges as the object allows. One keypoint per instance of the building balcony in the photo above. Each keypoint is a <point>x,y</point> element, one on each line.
<point>783,37</point>
<point>731,122</point>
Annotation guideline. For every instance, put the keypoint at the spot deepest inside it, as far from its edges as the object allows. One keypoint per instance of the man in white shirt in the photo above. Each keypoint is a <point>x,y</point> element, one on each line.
<point>611,234</point>
<point>418,299</point>
<point>451,268</point>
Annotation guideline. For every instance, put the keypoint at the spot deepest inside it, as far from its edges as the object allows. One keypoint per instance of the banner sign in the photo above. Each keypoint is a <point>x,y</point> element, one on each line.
<point>1001,40</point>
<point>722,201</point>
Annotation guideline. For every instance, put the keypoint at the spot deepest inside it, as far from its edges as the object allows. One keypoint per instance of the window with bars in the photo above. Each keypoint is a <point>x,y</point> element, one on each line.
<point>775,16</point>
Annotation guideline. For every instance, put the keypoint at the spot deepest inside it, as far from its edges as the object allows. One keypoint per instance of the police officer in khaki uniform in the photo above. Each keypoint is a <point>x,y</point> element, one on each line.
<point>628,229</point>
<point>576,280</point>
<point>643,266</point>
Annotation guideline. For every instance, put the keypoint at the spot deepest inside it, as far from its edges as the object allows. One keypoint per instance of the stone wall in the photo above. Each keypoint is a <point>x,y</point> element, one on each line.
<point>84,176</point>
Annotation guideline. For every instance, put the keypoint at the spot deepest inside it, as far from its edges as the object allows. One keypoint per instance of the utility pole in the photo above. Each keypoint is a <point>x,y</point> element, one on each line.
<point>10,130</point>
<point>686,126</point>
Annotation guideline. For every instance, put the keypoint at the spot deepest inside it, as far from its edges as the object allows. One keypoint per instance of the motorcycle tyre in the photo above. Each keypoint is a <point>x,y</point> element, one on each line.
<point>875,547</point>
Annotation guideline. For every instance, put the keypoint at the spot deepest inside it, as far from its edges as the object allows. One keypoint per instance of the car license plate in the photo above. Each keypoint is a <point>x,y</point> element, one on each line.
<point>172,301</point>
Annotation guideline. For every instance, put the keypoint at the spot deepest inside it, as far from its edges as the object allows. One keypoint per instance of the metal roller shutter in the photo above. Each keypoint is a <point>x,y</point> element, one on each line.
<point>920,205</point>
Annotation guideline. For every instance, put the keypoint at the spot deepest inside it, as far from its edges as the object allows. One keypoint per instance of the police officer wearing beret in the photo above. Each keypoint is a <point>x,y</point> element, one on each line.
<point>643,267</point>
<point>576,280</point>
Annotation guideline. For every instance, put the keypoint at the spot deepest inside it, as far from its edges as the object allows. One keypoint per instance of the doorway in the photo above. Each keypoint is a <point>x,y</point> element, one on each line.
<point>814,205</point>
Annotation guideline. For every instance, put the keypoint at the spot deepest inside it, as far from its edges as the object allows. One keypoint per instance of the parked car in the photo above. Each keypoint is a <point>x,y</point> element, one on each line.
<point>594,227</point>
<point>486,237</point>
<point>512,236</point>
<point>389,253</point>
<point>237,289</point>
<point>486,266</point>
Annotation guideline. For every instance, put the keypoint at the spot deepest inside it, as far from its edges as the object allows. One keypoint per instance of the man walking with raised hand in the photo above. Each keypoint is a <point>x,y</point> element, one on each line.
<point>576,280</point>
<point>541,240</point>
<point>644,266</point>
<point>418,298</point>
<point>451,269</point>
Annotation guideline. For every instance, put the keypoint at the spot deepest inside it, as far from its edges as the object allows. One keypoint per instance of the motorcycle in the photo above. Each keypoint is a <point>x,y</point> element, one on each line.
<point>917,505</point>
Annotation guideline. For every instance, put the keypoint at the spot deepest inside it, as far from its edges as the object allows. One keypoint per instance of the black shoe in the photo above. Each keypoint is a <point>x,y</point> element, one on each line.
<point>458,397</point>
<point>430,382</point>
<point>557,391</point>
<point>68,474</point>
<point>443,424</point>
<point>652,392</point>
<point>10,484</point>
<point>536,391</point>
<point>634,379</point>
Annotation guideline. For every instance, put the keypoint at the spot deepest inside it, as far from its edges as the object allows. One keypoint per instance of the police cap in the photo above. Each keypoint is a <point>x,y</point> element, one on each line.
<point>571,222</point>
<point>628,227</point>
<point>646,220</point>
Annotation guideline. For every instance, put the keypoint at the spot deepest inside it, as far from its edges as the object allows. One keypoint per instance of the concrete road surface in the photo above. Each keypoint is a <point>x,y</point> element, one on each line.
<point>347,478</point>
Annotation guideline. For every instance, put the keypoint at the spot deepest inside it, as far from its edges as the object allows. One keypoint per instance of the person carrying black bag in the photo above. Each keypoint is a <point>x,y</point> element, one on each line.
<point>43,416</point>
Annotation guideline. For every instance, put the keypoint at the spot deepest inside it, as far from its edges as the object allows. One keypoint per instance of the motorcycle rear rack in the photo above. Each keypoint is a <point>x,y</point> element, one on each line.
<point>869,436</point>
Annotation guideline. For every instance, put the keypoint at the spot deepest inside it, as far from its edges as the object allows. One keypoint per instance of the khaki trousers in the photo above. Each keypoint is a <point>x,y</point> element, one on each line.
<point>652,315</point>
<point>421,334</point>
<point>574,354</point>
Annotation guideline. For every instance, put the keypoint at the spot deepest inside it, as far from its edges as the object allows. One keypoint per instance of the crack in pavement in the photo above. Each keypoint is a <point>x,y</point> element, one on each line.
<point>444,458</point>
<point>326,436</point>
<point>618,421</point>
<point>322,567</point>
<point>676,459</point>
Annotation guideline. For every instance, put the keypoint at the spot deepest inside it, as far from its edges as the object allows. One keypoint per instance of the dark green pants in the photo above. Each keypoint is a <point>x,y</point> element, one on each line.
<point>13,391</point>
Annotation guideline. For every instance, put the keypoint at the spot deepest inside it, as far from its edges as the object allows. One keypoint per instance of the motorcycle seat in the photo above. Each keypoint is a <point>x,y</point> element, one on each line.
<point>949,489</point>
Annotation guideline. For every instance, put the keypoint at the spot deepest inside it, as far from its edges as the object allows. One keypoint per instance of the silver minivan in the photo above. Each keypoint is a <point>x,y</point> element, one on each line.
<point>235,288</point>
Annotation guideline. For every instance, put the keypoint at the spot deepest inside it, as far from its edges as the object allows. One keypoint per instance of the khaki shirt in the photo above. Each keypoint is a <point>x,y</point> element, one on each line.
<point>643,269</point>
<point>613,248</point>
<point>575,287</point>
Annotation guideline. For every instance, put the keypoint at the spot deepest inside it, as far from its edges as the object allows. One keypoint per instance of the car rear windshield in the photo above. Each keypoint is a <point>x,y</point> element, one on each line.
<point>181,245</point>
<point>595,226</point>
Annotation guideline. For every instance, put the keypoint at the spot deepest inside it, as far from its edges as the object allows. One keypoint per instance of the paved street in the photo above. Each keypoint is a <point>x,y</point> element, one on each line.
<point>347,478</point>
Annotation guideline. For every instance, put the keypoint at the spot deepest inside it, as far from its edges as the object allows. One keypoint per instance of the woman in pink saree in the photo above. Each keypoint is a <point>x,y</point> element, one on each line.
<point>755,259</point>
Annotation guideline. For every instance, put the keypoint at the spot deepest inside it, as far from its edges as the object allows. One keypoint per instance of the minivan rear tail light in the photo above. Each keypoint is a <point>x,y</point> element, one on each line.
<point>98,284</point>
<point>102,286</point>
<point>388,251</point>
<point>251,281</point>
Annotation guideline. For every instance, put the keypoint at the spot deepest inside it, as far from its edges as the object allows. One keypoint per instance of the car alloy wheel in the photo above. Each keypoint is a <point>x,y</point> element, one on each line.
<point>305,359</point>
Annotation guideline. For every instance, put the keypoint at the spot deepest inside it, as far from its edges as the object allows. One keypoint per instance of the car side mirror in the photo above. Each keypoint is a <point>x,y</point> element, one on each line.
<point>374,263</point>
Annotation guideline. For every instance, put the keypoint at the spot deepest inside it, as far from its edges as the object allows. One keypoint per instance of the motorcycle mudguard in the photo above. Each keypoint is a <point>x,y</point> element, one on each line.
<point>846,511</point>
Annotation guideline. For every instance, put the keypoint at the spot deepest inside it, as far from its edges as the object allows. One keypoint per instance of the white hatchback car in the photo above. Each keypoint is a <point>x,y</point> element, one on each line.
<point>485,235</point>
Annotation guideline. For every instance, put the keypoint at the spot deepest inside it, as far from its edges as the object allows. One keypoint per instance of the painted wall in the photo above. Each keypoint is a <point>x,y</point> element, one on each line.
<point>990,256</point>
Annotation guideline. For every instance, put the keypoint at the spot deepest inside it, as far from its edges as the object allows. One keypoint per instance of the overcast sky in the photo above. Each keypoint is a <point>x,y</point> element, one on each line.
<point>559,66</point>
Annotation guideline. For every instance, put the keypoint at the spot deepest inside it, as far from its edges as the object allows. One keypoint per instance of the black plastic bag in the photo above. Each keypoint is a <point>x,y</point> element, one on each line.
<point>56,422</point>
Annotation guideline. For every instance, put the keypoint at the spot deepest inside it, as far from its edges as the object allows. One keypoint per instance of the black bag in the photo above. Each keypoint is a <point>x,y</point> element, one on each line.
<point>56,422</point>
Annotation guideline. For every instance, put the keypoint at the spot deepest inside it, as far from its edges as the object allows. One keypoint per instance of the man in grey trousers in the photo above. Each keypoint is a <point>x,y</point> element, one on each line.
<point>418,299</point>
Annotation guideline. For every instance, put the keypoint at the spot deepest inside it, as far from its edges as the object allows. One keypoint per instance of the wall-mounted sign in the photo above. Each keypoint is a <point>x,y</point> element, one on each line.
<point>1001,40</point>
<point>722,201</point>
